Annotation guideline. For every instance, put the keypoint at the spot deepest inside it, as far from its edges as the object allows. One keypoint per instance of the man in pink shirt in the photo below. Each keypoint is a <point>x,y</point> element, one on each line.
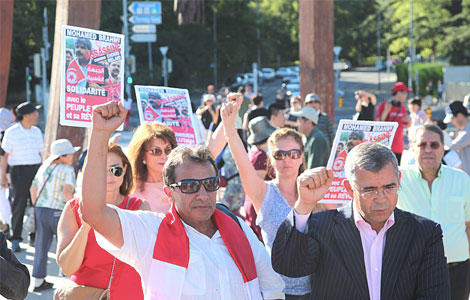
<point>367,249</point>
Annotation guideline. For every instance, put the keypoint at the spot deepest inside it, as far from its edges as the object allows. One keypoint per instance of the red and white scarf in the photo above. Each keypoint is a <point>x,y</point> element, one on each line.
<point>171,256</point>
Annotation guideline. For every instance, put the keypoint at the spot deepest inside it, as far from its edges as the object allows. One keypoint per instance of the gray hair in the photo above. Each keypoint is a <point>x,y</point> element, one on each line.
<point>372,157</point>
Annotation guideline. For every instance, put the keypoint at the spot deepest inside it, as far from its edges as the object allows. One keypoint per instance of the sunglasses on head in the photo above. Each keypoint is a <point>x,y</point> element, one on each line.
<point>116,171</point>
<point>157,151</point>
<point>191,186</point>
<point>433,145</point>
<point>281,154</point>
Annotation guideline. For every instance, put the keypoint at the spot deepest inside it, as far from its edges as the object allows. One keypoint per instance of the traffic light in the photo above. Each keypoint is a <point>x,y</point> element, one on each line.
<point>30,78</point>
<point>37,65</point>
<point>132,64</point>
<point>129,80</point>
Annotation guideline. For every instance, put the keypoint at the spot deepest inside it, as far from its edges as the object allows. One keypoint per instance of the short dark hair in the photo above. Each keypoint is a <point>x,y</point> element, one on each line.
<point>257,99</point>
<point>181,154</point>
<point>275,108</point>
<point>429,127</point>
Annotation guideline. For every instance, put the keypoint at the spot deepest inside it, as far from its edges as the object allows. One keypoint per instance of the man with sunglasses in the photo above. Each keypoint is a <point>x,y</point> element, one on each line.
<point>367,249</point>
<point>440,193</point>
<point>317,147</point>
<point>194,252</point>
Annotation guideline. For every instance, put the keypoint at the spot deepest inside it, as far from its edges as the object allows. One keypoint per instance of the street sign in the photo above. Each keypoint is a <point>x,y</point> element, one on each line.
<point>144,28</point>
<point>337,50</point>
<point>164,50</point>
<point>146,19</point>
<point>339,65</point>
<point>146,8</point>
<point>144,37</point>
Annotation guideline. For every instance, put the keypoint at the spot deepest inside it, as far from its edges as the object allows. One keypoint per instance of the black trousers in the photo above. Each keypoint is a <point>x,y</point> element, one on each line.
<point>294,297</point>
<point>459,280</point>
<point>21,179</point>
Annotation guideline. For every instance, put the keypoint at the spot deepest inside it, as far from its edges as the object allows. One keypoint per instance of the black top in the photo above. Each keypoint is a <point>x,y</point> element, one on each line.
<point>14,276</point>
<point>367,113</point>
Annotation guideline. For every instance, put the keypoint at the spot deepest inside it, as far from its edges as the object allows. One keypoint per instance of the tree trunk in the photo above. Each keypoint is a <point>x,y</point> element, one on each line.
<point>6,32</point>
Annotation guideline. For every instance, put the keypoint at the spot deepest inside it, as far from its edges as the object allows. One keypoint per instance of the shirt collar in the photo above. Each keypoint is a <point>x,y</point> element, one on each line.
<point>417,171</point>
<point>360,222</point>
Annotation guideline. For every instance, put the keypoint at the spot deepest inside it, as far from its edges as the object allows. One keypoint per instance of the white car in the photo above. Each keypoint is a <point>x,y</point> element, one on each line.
<point>283,72</point>
<point>268,73</point>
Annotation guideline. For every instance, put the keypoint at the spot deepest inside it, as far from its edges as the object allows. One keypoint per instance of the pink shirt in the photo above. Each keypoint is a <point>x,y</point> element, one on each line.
<point>373,245</point>
<point>153,193</point>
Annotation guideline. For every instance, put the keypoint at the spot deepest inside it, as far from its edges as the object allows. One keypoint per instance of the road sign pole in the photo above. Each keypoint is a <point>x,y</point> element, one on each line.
<point>150,60</point>
<point>126,46</point>
<point>164,51</point>
<point>28,96</point>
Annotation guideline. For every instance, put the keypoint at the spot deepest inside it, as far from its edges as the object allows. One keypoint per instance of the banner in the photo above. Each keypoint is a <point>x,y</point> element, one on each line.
<point>349,134</point>
<point>170,107</point>
<point>91,73</point>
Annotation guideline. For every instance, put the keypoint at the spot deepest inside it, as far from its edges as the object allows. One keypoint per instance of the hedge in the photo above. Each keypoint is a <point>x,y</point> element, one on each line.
<point>427,72</point>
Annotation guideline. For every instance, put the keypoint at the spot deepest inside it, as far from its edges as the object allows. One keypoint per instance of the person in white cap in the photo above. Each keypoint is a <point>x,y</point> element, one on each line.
<point>457,114</point>
<point>52,187</point>
<point>23,145</point>
<point>317,148</point>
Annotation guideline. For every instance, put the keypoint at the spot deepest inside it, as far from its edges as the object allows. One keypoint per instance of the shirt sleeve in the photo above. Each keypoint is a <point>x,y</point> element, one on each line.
<point>69,176</point>
<point>139,231</point>
<point>301,221</point>
<point>7,142</point>
<point>270,283</point>
<point>380,109</point>
<point>459,143</point>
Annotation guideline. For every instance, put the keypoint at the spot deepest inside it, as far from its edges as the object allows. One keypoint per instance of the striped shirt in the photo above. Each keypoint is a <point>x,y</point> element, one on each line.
<point>326,127</point>
<point>52,195</point>
<point>24,146</point>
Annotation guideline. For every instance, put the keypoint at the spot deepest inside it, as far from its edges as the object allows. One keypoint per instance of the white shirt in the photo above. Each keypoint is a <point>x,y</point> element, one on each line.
<point>24,146</point>
<point>211,274</point>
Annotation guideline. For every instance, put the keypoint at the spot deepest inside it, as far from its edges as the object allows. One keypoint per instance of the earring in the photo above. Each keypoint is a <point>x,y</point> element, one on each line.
<point>145,162</point>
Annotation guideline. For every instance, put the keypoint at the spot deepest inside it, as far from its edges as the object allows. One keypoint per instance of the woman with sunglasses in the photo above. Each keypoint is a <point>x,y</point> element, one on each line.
<point>273,200</point>
<point>148,153</point>
<point>78,254</point>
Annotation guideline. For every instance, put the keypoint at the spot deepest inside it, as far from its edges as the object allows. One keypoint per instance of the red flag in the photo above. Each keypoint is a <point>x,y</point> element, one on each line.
<point>74,74</point>
<point>150,114</point>
<point>338,164</point>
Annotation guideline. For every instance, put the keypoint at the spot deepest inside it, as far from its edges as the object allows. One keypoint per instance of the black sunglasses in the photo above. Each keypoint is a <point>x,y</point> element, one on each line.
<point>433,145</point>
<point>157,151</point>
<point>191,186</point>
<point>281,154</point>
<point>116,171</point>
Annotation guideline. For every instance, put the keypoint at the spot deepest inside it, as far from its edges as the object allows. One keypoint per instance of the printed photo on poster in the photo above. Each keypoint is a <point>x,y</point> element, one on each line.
<point>170,107</point>
<point>91,73</point>
<point>350,134</point>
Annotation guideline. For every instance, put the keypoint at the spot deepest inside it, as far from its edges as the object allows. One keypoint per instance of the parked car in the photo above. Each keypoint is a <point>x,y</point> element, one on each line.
<point>268,74</point>
<point>292,89</point>
<point>290,78</point>
<point>285,71</point>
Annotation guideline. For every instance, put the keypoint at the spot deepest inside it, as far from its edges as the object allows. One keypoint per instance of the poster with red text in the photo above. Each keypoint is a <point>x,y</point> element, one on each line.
<point>91,73</point>
<point>349,134</point>
<point>170,107</point>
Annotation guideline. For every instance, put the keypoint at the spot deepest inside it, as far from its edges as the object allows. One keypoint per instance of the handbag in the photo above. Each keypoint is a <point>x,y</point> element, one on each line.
<point>30,223</point>
<point>82,292</point>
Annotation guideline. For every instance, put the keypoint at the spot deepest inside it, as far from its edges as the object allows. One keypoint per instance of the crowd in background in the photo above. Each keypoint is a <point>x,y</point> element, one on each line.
<point>260,152</point>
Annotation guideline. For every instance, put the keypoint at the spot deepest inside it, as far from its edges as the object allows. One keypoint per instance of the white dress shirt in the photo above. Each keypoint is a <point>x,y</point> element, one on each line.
<point>211,273</point>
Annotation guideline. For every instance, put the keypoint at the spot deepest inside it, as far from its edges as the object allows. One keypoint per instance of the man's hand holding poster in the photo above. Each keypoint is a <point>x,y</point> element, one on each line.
<point>170,107</point>
<point>349,134</point>
<point>91,73</point>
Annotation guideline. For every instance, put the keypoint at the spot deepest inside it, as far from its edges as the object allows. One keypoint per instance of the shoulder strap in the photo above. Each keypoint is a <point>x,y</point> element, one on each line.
<point>223,208</point>
<point>47,179</point>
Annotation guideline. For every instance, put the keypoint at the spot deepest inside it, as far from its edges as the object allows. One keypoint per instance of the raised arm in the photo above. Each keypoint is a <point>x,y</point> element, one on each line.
<point>106,119</point>
<point>254,186</point>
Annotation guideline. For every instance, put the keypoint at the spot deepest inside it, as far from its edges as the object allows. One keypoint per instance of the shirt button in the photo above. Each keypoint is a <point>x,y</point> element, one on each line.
<point>376,269</point>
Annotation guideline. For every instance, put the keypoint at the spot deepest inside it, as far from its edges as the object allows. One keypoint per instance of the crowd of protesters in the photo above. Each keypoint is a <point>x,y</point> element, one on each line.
<point>145,224</point>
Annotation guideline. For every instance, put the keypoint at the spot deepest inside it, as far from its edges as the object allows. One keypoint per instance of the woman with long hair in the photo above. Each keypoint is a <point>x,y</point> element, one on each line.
<point>78,254</point>
<point>272,200</point>
<point>148,152</point>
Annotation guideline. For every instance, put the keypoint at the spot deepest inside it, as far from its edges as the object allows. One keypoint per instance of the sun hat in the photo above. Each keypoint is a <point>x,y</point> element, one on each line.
<point>260,130</point>
<point>61,147</point>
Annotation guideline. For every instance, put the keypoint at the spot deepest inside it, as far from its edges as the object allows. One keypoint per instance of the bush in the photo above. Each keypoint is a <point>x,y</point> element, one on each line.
<point>427,72</point>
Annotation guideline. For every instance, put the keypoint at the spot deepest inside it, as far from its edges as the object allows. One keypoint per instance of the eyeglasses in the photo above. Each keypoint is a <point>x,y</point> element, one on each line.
<point>191,186</point>
<point>433,145</point>
<point>281,154</point>
<point>157,151</point>
<point>116,171</point>
<point>372,194</point>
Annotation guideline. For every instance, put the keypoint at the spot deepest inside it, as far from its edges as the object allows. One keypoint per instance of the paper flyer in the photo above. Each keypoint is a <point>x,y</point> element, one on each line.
<point>349,134</point>
<point>170,107</point>
<point>91,73</point>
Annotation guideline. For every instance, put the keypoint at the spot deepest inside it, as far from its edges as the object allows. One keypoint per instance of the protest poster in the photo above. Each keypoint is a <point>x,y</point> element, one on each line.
<point>349,134</point>
<point>170,107</point>
<point>91,73</point>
